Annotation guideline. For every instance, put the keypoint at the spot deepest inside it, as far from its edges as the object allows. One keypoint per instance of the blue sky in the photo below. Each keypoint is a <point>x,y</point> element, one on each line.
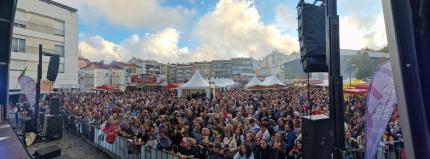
<point>196,30</point>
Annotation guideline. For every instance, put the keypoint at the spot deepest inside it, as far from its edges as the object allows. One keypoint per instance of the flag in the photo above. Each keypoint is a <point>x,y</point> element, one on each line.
<point>22,73</point>
<point>29,87</point>
<point>381,101</point>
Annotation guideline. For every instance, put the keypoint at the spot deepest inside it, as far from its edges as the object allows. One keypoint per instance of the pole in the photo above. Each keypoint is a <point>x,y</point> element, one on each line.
<point>39,76</point>
<point>309,97</point>
<point>335,86</point>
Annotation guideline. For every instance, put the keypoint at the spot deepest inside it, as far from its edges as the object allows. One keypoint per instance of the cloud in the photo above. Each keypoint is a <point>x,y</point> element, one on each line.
<point>149,14</point>
<point>362,32</point>
<point>234,27</point>
<point>161,46</point>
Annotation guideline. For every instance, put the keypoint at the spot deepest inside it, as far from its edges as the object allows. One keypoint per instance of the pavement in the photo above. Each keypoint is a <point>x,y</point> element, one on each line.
<point>72,146</point>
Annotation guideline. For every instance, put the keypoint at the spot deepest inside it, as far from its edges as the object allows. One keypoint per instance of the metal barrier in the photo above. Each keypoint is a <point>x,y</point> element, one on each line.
<point>389,150</point>
<point>121,148</point>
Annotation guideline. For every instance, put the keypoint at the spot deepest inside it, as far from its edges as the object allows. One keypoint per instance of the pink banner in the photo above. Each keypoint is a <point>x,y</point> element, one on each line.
<point>380,105</point>
<point>29,87</point>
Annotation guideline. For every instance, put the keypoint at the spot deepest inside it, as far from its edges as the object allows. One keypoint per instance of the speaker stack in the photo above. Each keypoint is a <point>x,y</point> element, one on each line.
<point>311,21</point>
<point>317,139</point>
<point>53,123</point>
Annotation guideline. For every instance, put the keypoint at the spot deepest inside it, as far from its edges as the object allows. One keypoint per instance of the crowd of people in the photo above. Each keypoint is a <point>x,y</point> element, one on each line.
<point>236,124</point>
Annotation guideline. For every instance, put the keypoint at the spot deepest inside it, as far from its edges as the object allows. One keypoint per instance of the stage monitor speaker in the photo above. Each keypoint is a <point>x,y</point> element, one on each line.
<point>311,30</point>
<point>27,125</point>
<point>54,106</point>
<point>54,64</point>
<point>317,139</point>
<point>47,152</point>
<point>53,127</point>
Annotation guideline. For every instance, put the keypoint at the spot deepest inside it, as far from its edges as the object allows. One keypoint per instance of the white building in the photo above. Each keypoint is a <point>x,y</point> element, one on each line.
<point>53,25</point>
<point>93,75</point>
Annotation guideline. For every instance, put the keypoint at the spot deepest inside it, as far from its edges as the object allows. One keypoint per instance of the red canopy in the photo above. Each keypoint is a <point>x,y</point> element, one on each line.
<point>363,86</point>
<point>170,86</point>
<point>107,87</point>
<point>355,91</point>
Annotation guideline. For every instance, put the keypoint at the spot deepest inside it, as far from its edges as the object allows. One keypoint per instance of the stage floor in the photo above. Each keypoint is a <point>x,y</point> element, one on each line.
<point>10,146</point>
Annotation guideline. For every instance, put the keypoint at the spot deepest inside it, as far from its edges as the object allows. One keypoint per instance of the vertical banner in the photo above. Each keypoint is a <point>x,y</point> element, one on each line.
<point>380,105</point>
<point>29,87</point>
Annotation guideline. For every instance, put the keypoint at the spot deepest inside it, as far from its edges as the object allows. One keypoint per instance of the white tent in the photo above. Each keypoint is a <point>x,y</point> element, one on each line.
<point>197,82</point>
<point>272,81</point>
<point>253,82</point>
<point>217,82</point>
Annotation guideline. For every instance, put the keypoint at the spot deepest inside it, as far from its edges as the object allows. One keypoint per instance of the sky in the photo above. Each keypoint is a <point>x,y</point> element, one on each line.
<point>178,31</point>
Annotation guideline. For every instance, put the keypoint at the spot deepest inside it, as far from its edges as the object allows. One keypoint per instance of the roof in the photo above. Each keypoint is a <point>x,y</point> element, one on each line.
<point>253,82</point>
<point>133,65</point>
<point>114,67</point>
<point>196,82</point>
<point>96,65</point>
<point>60,5</point>
<point>271,81</point>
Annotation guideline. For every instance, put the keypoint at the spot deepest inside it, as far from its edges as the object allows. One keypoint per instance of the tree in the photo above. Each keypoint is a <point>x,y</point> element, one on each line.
<point>363,65</point>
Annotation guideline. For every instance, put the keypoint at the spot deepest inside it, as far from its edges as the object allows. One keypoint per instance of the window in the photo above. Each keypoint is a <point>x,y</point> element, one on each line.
<point>61,68</point>
<point>59,49</point>
<point>19,25</point>
<point>18,45</point>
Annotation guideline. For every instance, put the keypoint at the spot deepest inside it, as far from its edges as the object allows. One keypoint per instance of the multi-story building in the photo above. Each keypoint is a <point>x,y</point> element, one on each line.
<point>118,77</point>
<point>273,59</point>
<point>292,68</point>
<point>53,25</point>
<point>184,72</point>
<point>204,68</point>
<point>93,75</point>
<point>150,67</point>
<point>222,69</point>
<point>242,65</point>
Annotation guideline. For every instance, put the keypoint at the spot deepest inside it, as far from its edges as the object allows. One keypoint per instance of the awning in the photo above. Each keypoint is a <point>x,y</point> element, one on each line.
<point>107,87</point>
<point>355,91</point>
<point>170,86</point>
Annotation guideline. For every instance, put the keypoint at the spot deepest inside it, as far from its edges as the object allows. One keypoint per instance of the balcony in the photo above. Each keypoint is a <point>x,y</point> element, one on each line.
<point>39,28</point>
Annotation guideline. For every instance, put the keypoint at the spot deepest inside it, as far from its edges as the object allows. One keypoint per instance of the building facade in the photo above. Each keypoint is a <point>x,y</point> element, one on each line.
<point>242,65</point>
<point>93,75</point>
<point>204,68</point>
<point>53,25</point>
<point>222,69</point>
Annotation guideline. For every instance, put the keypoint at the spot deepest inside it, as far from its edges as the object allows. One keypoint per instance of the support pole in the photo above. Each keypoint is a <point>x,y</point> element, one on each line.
<point>335,80</point>
<point>39,76</point>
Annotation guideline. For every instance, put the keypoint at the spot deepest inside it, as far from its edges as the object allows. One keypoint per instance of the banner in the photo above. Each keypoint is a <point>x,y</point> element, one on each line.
<point>381,101</point>
<point>29,87</point>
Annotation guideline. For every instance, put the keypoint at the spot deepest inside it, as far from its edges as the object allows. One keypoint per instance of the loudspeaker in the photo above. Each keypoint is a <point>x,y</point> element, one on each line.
<point>53,127</point>
<point>311,30</point>
<point>47,152</point>
<point>27,125</point>
<point>54,64</point>
<point>54,106</point>
<point>317,139</point>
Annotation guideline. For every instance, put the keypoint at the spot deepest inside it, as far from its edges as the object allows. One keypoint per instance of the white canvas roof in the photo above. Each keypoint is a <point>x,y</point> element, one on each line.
<point>253,82</point>
<point>196,82</point>
<point>272,80</point>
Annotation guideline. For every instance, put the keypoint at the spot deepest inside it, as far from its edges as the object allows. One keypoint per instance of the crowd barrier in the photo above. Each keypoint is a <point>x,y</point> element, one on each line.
<point>121,148</point>
<point>387,150</point>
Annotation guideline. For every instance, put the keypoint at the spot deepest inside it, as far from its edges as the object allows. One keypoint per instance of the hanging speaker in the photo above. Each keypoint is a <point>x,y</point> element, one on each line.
<point>311,22</point>
<point>54,64</point>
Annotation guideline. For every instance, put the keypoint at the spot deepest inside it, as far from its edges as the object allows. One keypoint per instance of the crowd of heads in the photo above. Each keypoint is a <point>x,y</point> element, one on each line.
<point>235,124</point>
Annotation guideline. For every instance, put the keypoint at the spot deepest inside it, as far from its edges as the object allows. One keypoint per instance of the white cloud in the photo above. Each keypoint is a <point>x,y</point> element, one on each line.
<point>132,13</point>
<point>361,32</point>
<point>161,46</point>
<point>234,28</point>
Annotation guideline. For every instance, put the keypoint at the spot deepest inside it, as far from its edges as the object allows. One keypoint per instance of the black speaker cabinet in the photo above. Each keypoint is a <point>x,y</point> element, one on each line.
<point>311,28</point>
<point>317,139</point>
<point>54,106</point>
<point>47,152</point>
<point>27,125</point>
<point>53,127</point>
<point>53,66</point>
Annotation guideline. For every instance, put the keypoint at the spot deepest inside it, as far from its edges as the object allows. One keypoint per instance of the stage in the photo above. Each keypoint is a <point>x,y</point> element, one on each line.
<point>10,146</point>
